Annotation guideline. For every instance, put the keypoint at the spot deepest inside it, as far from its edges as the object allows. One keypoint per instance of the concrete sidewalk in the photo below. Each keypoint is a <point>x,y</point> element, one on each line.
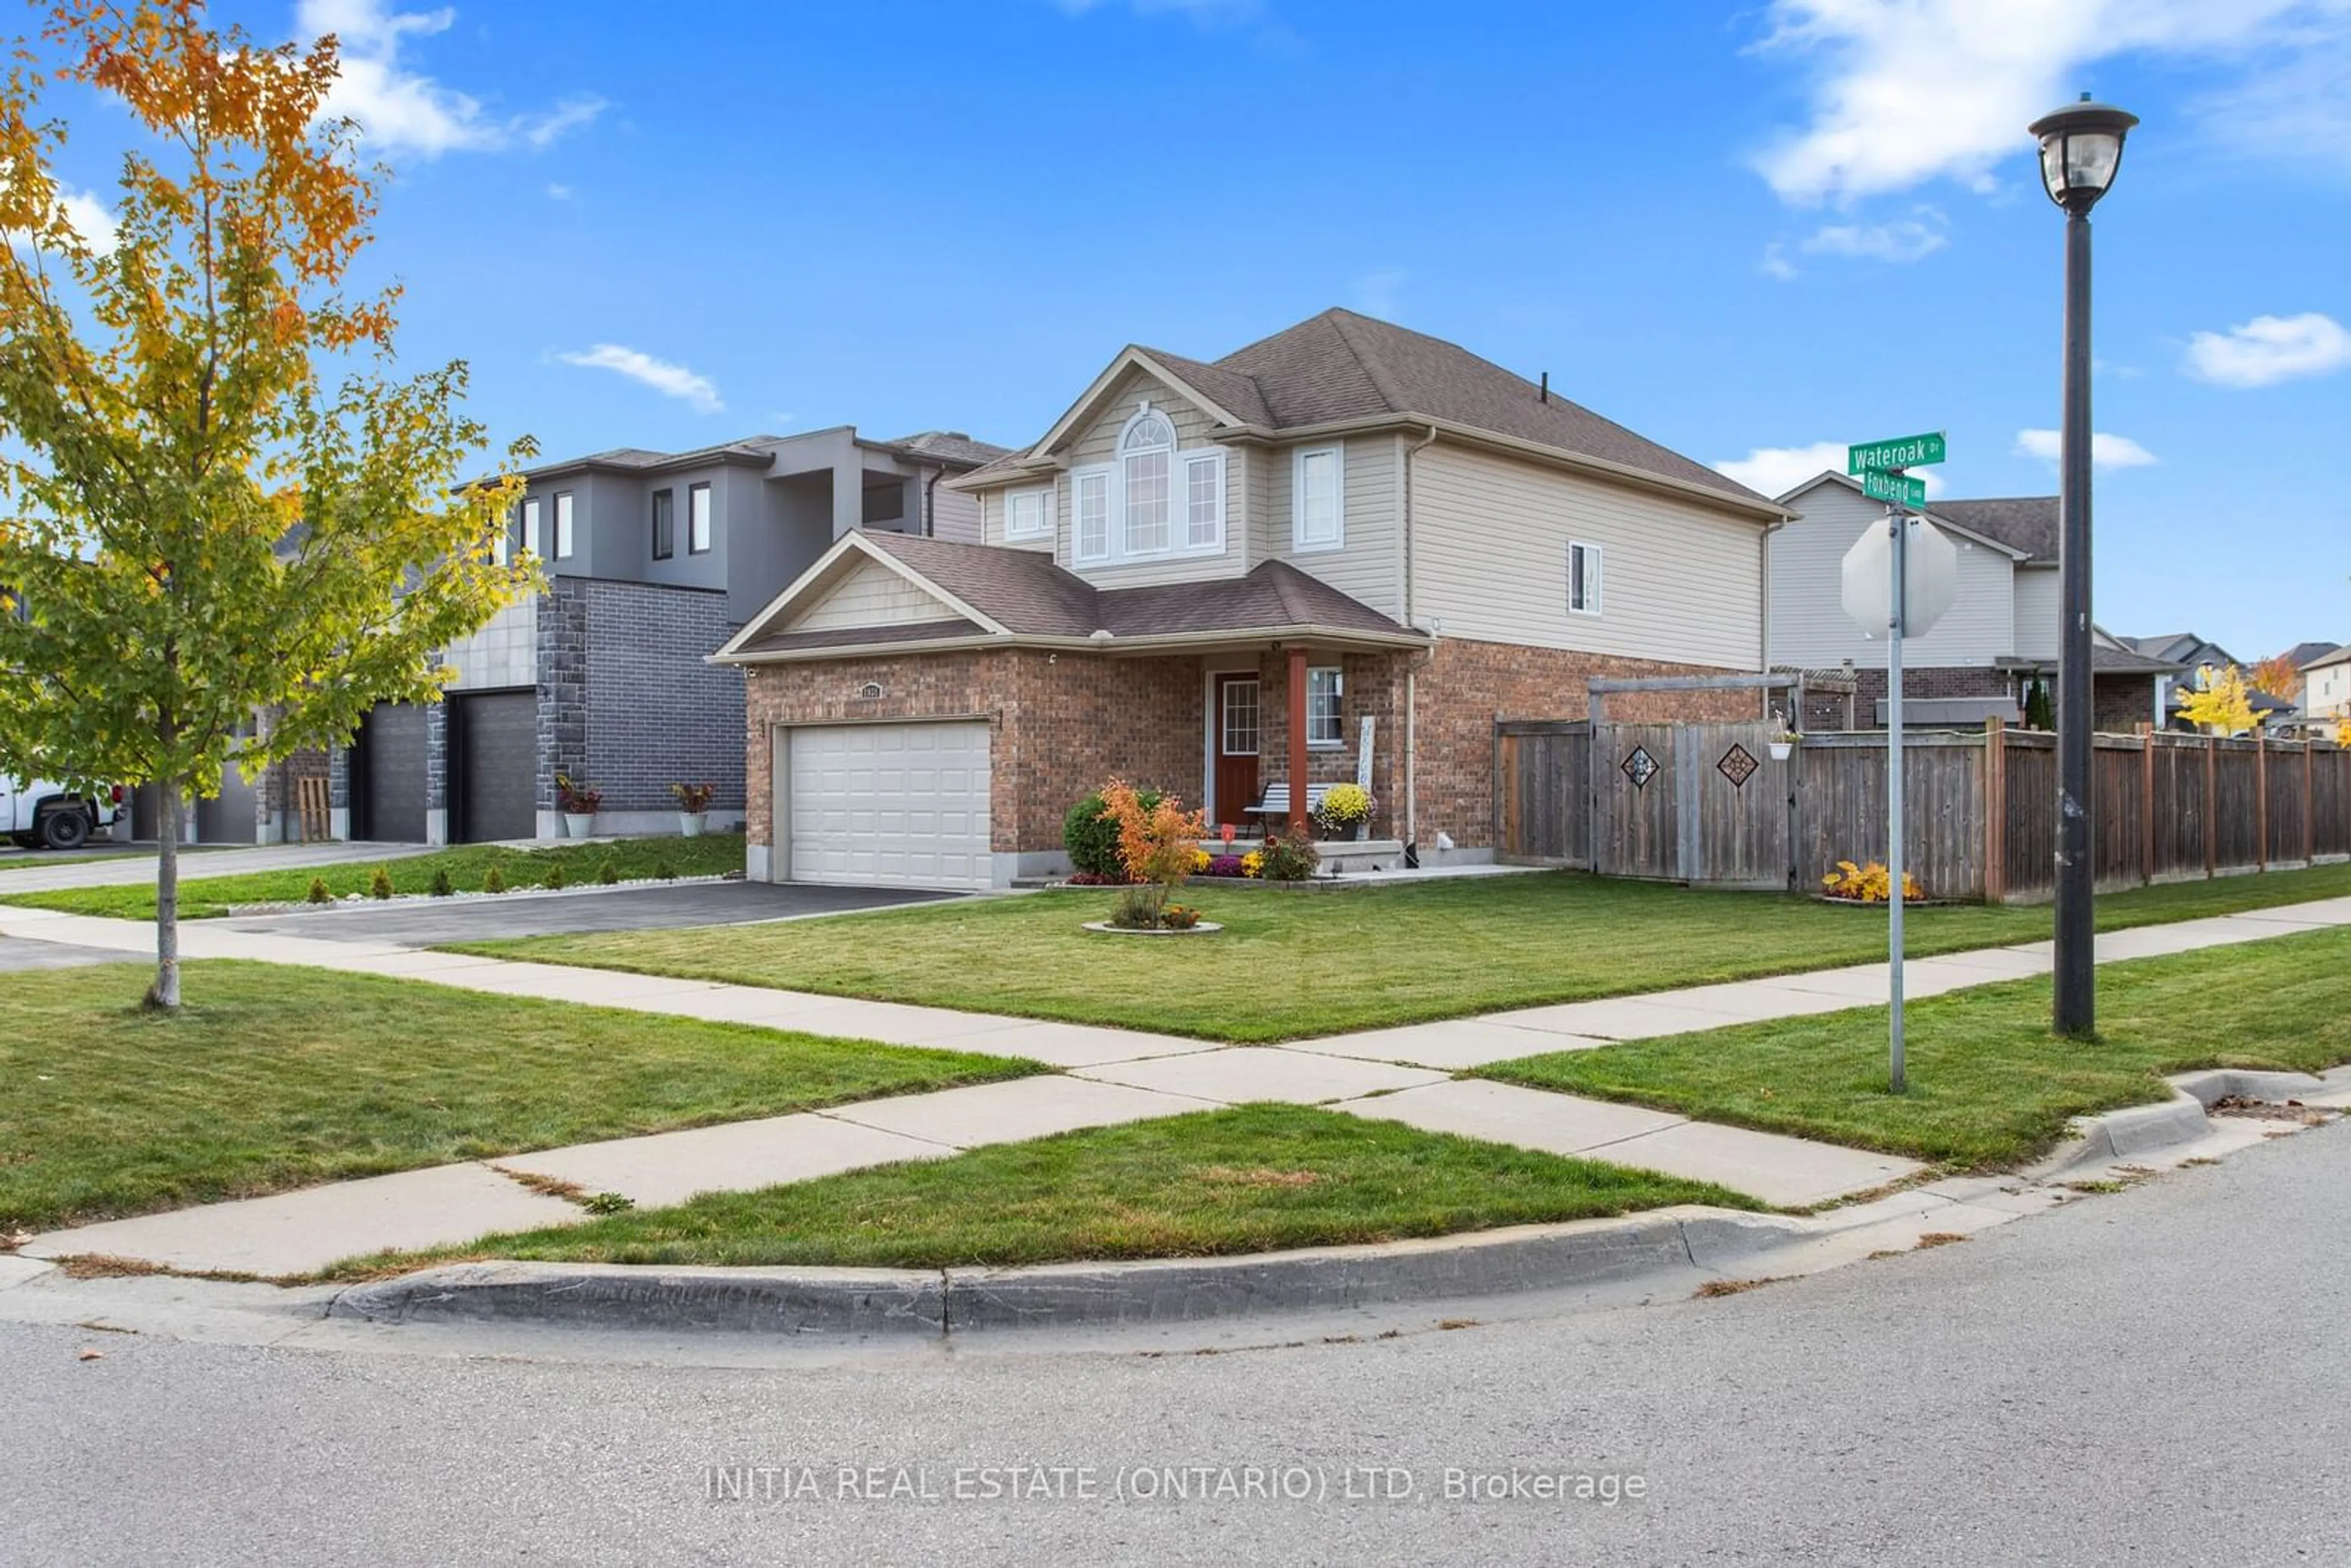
<point>1108,1076</point>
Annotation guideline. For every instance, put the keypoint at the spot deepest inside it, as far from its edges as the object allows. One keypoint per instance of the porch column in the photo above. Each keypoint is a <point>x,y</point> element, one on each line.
<point>1297,742</point>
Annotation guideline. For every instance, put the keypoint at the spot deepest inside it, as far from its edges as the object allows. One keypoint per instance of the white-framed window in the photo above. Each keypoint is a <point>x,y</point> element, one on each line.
<point>1325,711</point>
<point>1240,718</point>
<point>1318,499</point>
<point>1583,579</point>
<point>562,524</point>
<point>1092,504</point>
<point>1204,500</point>
<point>698,519</point>
<point>501,547</point>
<point>1147,455</point>
<point>530,538</point>
<point>1028,514</point>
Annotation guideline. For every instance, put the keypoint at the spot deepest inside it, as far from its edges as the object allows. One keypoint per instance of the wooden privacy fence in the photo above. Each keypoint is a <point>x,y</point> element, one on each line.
<point>1705,804</point>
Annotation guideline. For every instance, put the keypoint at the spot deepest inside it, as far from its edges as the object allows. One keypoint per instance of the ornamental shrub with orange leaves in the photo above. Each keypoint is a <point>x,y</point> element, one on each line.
<point>1158,844</point>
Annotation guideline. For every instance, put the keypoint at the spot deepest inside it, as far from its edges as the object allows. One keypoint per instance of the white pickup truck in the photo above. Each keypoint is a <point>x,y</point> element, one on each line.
<point>39,814</point>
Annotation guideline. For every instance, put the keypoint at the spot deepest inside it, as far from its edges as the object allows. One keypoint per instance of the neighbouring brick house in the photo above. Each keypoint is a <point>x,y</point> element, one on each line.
<point>1343,551</point>
<point>1980,660</point>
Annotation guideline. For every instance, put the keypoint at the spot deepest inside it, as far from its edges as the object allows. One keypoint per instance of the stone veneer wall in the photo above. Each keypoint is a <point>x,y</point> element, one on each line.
<point>636,708</point>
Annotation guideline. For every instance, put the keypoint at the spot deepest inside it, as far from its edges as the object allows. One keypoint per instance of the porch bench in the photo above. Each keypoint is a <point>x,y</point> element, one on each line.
<point>1277,800</point>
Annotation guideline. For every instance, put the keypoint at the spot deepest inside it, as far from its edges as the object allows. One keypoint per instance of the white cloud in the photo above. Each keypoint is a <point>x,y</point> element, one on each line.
<point>89,215</point>
<point>2106,451</point>
<point>1380,293</point>
<point>671,381</point>
<point>1775,263</point>
<point>1905,92</point>
<point>403,110</point>
<point>558,192</point>
<point>1776,470</point>
<point>1903,240</point>
<point>2268,349</point>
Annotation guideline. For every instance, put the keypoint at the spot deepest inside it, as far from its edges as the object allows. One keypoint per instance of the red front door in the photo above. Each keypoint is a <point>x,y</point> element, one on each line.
<point>1236,730</point>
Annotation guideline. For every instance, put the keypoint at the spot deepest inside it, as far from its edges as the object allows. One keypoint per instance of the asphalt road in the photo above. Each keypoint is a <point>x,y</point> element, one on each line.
<point>425,925</point>
<point>2154,1378</point>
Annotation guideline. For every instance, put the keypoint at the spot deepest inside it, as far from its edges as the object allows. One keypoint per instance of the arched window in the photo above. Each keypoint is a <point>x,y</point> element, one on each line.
<point>1146,453</point>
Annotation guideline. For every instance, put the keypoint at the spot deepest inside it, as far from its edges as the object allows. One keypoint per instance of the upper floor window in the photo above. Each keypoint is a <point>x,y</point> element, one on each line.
<point>1028,514</point>
<point>562,524</point>
<point>664,524</point>
<point>1324,713</point>
<point>1318,503</point>
<point>698,519</point>
<point>501,543</point>
<point>530,540</point>
<point>1583,579</point>
<point>1162,501</point>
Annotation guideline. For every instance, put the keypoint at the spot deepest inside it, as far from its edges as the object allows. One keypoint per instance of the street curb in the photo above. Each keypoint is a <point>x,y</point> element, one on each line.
<point>943,1302</point>
<point>2136,1130</point>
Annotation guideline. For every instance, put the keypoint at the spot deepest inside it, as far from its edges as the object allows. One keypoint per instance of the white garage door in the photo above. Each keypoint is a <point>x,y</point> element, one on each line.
<point>894,805</point>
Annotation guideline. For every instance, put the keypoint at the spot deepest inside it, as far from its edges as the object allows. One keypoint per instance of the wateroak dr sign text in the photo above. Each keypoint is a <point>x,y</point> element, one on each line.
<point>1903,451</point>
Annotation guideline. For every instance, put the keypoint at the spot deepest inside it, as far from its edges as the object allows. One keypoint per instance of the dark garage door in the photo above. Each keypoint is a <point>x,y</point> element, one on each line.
<point>388,775</point>
<point>497,766</point>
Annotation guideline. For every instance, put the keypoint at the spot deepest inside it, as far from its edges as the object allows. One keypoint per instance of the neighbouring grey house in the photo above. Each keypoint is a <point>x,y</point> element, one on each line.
<point>653,560</point>
<point>1979,660</point>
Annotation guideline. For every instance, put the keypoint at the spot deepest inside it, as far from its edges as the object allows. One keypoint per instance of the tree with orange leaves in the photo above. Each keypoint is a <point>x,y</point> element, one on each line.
<point>217,498</point>
<point>1158,844</point>
<point>2278,676</point>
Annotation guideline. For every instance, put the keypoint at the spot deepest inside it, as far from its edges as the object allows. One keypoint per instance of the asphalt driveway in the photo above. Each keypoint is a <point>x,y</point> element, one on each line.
<point>18,953</point>
<point>430,924</point>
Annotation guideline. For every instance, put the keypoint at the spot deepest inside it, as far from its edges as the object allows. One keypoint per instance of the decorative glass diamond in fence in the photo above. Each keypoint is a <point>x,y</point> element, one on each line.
<point>1738,764</point>
<point>1640,767</point>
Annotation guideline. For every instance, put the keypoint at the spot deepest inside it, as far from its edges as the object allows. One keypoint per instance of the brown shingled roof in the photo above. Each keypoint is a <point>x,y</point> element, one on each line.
<point>2027,523</point>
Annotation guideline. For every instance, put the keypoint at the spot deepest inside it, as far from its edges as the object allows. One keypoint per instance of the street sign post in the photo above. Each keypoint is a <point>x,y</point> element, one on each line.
<point>1901,576</point>
<point>1902,452</point>
<point>1894,488</point>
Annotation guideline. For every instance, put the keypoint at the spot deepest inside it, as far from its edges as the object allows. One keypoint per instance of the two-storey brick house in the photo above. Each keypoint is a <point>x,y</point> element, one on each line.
<point>1346,548</point>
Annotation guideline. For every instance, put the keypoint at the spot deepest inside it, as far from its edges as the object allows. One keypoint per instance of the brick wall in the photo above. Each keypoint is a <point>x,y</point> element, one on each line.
<point>1947,681</point>
<point>1059,725</point>
<point>650,711</point>
<point>2120,704</point>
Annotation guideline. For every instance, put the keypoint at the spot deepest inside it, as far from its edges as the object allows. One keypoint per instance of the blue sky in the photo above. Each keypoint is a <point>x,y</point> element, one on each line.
<point>1743,231</point>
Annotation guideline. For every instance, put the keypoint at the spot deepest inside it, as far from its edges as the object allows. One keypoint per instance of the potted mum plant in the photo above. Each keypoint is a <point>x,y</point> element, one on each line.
<point>692,806</point>
<point>579,803</point>
<point>1345,810</point>
<point>1785,738</point>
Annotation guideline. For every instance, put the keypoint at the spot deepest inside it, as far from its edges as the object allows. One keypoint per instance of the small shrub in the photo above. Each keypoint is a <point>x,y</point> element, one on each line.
<point>494,881</point>
<point>1287,860</point>
<point>1156,843</point>
<point>665,871</point>
<point>608,874</point>
<point>555,877</point>
<point>380,884</point>
<point>441,887</point>
<point>319,893</point>
<point>1179,917</point>
<point>1871,883</point>
<point>1092,839</point>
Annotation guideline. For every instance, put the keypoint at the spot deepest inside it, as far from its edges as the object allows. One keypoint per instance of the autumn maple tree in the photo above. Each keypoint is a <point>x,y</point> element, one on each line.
<point>2220,702</point>
<point>2277,676</point>
<point>219,497</point>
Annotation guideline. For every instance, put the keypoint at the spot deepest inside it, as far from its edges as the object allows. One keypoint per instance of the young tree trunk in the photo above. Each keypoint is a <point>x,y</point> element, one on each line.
<point>165,992</point>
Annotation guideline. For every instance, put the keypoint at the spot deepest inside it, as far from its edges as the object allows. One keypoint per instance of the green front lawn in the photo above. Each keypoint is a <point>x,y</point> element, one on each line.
<point>1250,1180</point>
<point>1291,965</point>
<point>278,1077</point>
<point>1990,1087</point>
<point>713,855</point>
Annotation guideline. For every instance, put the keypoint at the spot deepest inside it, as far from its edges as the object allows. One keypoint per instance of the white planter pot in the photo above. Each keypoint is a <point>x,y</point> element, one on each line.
<point>689,823</point>
<point>578,824</point>
<point>1783,749</point>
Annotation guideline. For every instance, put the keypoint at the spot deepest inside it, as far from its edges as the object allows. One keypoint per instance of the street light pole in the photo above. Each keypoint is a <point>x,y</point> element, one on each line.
<point>2080,149</point>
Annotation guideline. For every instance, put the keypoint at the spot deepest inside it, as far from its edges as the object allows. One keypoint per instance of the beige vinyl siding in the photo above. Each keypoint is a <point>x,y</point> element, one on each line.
<point>1681,582</point>
<point>1097,445</point>
<point>955,516</point>
<point>2038,613</point>
<point>870,595</point>
<point>1810,629</point>
<point>2327,691</point>
<point>1369,564</point>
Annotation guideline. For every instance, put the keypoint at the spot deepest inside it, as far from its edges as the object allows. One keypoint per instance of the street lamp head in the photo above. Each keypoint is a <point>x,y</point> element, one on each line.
<point>2081,148</point>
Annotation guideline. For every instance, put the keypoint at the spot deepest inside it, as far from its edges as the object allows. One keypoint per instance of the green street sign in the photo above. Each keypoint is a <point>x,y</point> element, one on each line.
<point>1904,452</point>
<point>1895,489</point>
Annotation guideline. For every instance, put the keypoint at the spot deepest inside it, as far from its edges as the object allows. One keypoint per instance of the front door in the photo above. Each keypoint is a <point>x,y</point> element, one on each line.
<point>1237,727</point>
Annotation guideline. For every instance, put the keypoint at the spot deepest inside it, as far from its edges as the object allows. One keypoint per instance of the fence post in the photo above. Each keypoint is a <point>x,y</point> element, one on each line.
<point>2309,805</point>
<point>2260,801</point>
<point>1995,789</point>
<point>2147,803</point>
<point>2211,807</point>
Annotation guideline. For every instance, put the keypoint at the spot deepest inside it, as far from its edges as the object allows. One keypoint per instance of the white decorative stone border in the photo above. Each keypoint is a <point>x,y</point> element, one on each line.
<point>1205,928</point>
